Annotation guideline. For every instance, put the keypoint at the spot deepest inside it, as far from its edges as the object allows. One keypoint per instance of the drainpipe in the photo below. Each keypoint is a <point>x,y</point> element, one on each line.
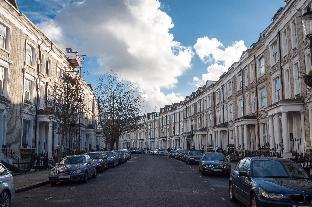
<point>257,100</point>
<point>280,65</point>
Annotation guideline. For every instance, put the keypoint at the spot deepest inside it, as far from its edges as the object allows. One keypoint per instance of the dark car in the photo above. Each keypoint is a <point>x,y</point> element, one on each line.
<point>173,154</point>
<point>214,163</point>
<point>112,158</point>
<point>270,182</point>
<point>100,160</point>
<point>127,153</point>
<point>122,157</point>
<point>193,157</point>
<point>73,168</point>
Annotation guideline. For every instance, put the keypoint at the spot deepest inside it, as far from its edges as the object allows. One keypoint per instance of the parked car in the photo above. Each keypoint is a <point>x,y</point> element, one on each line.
<point>112,158</point>
<point>214,163</point>
<point>193,157</point>
<point>128,154</point>
<point>154,152</point>
<point>7,189</point>
<point>184,154</point>
<point>100,160</point>
<point>162,152</point>
<point>173,154</point>
<point>261,181</point>
<point>73,168</point>
<point>122,157</point>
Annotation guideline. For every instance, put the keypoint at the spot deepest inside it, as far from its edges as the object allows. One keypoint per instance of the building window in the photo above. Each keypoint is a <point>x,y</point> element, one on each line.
<point>42,95</point>
<point>59,74</point>
<point>48,67</point>
<point>239,81</point>
<point>251,72</point>
<point>287,88</point>
<point>261,67</point>
<point>247,101</point>
<point>277,89</point>
<point>246,75</point>
<point>284,42</point>
<point>253,102</point>
<point>229,88</point>
<point>297,83</point>
<point>3,72</point>
<point>27,90</point>
<point>42,64</point>
<point>263,97</point>
<point>293,33</point>
<point>4,37</point>
<point>26,138</point>
<point>30,55</point>
<point>230,111</point>
<point>240,105</point>
<point>274,53</point>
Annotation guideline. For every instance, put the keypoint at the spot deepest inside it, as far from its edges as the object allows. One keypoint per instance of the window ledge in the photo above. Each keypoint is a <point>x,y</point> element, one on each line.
<point>5,50</point>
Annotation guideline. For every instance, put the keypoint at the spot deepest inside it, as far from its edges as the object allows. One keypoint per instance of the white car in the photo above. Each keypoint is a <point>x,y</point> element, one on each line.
<point>7,189</point>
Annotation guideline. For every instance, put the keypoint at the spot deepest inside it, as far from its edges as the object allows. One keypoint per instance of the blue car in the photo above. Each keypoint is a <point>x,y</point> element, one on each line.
<point>261,181</point>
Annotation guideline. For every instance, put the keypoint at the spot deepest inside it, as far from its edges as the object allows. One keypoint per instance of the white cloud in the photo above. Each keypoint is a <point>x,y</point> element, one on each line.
<point>130,37</point>
<point>218,58</point>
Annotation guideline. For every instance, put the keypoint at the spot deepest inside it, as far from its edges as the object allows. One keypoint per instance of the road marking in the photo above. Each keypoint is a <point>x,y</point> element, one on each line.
<point>223,198</point>
<point>131,161</point>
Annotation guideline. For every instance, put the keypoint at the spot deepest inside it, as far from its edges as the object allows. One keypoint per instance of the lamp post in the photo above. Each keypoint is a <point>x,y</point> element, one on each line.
<point>307,27</point>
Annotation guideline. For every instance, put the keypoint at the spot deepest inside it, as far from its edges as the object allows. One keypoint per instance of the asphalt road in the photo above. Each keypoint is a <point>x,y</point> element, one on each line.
<point>143,181</point>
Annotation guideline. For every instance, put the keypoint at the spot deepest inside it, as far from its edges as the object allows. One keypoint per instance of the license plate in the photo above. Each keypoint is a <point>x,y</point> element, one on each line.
<point>64,176</point>
<point>217,170</point>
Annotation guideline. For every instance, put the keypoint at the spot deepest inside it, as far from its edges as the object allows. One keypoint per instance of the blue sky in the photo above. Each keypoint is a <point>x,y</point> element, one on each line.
<point>226,21</point>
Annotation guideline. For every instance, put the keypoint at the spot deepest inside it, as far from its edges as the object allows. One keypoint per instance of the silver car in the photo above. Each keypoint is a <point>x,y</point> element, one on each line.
<point>7,189</point>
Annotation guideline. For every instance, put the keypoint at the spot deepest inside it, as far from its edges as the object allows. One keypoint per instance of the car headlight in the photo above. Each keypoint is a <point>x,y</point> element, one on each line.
<point>271,196</point>
<point>53,171</point>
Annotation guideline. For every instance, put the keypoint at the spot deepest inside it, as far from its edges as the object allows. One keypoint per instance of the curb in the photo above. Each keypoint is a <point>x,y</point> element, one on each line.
<point>26,188</point>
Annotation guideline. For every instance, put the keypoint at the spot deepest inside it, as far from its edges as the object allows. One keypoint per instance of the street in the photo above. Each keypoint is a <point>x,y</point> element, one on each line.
<point>144,180</point>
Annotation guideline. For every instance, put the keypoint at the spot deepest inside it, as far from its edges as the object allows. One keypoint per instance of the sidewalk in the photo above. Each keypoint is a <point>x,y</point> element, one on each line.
<point>24,182</point>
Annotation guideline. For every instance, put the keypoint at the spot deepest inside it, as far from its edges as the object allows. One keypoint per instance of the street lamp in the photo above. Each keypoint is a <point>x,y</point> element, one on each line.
<point>307,27</point>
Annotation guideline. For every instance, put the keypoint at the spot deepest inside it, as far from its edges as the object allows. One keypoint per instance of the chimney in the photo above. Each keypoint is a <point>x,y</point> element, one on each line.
<point>13,2</point>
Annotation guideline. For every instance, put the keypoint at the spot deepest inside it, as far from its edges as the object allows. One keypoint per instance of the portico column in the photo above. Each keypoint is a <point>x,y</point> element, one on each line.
<point>245,137</point>
<point>277,132</point>
<point>240,136</point>
<point>271,136</point>
<point>50,131</point>
<point>303,141</point>
<point>38,137</point>
<point>235,137</point>
<point>285,132</point>
<point>219,139</point>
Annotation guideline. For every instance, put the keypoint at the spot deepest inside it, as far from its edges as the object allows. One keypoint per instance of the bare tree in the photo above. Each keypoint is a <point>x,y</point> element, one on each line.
<point>119,106</point>
<point>68,105</point>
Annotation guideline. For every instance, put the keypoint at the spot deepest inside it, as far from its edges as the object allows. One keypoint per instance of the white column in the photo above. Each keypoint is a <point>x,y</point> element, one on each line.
<point>236,137</point>
<point>277,132</point>
<point>50,131</point>
<point>38,137</point>
<point>246,147</point>
<point>240,136</point>
<point>310,125</point>
<point>303,141</point>
<point>219,139</point>
<point>271,136</point>
<point>285,132</point>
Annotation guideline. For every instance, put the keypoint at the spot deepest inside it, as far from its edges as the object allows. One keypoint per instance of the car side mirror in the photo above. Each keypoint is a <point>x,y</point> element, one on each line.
<point>243,173</point>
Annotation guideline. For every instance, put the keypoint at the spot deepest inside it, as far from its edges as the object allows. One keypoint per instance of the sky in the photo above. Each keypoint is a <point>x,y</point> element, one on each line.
<point>167,47</point>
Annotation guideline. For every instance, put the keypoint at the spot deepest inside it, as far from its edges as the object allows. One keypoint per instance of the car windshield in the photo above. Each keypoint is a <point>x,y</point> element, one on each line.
<point>74,160</point>
<point>213,157</point>
<point>195,153</point>
<point>96,156</point>
<point>277,168</point>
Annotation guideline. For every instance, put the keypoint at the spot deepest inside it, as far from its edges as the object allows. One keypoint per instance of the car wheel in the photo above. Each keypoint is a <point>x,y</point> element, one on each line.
<point>85,178</point>
<point>5,199</point>
<point>253,201</point>
<point>231,195</point>
<point>94,174</point>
